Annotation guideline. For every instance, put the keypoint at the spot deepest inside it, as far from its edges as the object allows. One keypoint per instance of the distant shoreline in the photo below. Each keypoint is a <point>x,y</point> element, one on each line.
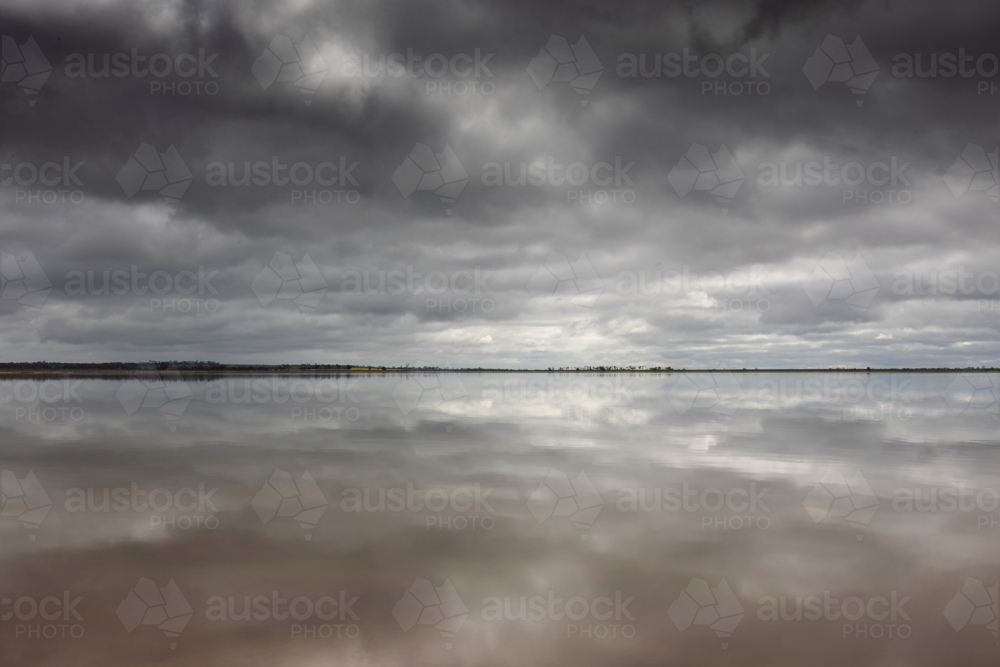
<point>114,370</point>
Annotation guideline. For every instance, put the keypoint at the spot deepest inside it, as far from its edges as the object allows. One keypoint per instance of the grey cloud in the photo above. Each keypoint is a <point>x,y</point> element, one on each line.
<point>508,229</point>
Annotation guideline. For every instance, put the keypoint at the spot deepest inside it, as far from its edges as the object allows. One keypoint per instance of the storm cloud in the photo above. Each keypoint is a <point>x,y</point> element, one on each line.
<point>509,184</point>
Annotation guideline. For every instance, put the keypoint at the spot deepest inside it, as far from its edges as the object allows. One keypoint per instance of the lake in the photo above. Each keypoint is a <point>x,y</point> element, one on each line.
<point>755,519</point>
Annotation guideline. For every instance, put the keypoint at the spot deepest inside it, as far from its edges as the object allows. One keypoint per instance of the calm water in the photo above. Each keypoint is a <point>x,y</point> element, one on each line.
<point>517,519</point>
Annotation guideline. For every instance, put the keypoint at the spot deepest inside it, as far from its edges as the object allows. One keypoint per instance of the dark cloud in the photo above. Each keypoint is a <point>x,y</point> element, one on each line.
<point>339,143</point>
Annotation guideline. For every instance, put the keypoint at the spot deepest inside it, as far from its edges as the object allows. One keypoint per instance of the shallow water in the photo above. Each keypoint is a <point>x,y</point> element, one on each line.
<point>462,519</point>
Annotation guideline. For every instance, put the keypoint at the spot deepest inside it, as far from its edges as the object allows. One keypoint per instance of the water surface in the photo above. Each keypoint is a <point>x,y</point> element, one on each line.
<point>501,519</point>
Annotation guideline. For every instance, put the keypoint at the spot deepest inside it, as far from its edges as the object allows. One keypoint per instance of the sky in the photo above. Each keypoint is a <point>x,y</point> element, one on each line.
<point>501,184</point>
